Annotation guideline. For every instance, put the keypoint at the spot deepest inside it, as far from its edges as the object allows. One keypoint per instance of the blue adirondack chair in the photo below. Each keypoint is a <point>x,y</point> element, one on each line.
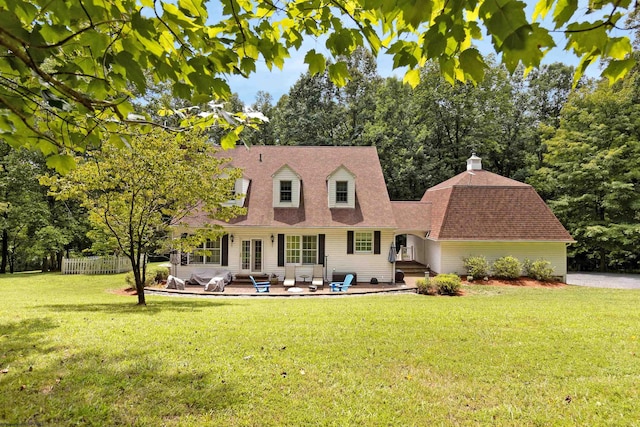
<point>342,286</point>
<point>260,286</point>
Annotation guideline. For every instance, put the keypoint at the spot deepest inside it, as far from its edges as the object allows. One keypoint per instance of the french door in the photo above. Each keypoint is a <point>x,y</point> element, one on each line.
<point>251,256</point>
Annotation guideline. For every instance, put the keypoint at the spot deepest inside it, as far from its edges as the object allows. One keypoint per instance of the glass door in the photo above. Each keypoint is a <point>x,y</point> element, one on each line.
<point>251,255</point>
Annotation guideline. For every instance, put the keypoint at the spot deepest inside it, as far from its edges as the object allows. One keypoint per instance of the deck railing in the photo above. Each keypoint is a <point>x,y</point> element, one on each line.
<point>96,265</point>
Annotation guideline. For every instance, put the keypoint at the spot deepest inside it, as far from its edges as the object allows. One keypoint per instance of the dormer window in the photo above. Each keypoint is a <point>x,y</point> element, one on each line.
<point>286,188</point>
<point>285,191</point>
<point>342,192</point>
<point>341,188</point>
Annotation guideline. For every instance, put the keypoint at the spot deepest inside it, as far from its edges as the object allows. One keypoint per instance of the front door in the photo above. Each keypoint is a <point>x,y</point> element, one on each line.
<point>252,255</point>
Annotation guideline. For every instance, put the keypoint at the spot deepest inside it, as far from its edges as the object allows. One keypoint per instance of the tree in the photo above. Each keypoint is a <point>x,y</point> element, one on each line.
<point>591,174</point>
<point>69,69</point>
<point>135,195</point>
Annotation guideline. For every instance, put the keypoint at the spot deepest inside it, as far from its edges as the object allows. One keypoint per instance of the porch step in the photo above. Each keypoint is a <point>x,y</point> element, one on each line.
<point>411,268</point>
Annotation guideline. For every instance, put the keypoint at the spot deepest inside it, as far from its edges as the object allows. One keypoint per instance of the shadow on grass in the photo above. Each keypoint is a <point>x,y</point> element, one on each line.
<point>24,337</point>
<point>112,387</point>
<point>154,307</point>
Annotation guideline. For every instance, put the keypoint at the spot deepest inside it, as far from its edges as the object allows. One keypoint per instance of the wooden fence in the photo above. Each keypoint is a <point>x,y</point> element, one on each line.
<point>95,265</point>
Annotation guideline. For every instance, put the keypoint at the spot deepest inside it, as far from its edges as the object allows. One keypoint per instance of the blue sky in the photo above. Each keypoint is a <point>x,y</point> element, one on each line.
<point>277,82</point>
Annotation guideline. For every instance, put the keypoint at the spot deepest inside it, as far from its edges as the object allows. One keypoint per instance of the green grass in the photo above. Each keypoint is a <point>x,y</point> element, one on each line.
<point>76,354</point>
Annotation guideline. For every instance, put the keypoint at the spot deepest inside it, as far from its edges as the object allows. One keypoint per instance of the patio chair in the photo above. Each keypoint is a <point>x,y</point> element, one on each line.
<point>342,286</point>
<point>317,279</point>
<point>289,276</point>
<point>260,286</point>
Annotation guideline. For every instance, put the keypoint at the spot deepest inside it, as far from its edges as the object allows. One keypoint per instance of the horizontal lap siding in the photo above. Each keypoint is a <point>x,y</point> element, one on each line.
<point>365,265</point>
<point>452,254</point>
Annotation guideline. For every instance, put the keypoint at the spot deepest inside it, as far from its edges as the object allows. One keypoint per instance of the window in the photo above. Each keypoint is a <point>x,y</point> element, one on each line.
<point>208,253</point>
<point>292,250</point>
<point>342,192</point>
<point>364,241</point>
<point>285,191</point>
<point>301,249</point>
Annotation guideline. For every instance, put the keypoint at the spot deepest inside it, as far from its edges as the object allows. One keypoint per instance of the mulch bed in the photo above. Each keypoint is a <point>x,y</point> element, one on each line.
<point>522,281</point>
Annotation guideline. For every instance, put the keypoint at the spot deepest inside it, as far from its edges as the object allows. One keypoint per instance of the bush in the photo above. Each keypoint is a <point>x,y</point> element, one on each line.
<point>477,266</point>
<point>154,275</point>
<point>507,267</point>
<point>447,284</point>
<point>158,274</point>
<point>426,287</point>
<point>539,270</point>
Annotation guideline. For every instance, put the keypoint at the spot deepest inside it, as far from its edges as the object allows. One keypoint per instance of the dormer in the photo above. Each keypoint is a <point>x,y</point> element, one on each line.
<point>286,188</point>
<point>241,187</point>
<point>341,188</point>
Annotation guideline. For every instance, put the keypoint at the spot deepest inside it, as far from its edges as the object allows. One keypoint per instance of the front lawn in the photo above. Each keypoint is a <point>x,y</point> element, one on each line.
<point>73,353</point>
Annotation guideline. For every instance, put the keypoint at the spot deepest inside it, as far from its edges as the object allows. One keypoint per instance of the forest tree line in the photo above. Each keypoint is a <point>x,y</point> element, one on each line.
<point>578,147</point>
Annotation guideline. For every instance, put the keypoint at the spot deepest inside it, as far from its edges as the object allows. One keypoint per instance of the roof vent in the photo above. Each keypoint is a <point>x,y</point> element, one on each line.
<point>474,163</point>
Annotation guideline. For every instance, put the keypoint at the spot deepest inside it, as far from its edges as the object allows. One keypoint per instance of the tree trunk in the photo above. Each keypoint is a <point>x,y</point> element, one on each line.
<point>45,264</point>
<point>139,279</point>
<point>5,252</point>
<point>59,256</point>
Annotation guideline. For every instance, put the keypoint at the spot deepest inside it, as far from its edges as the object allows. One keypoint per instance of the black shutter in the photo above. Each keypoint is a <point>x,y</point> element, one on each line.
<point>321,238</point>
<point>376,242</point>
<point>280,250</point>
<point>349,242</point>
<point>224,261</point>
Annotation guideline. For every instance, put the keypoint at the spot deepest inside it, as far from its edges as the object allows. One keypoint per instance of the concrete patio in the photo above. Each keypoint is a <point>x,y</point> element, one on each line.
<point>247,290</point>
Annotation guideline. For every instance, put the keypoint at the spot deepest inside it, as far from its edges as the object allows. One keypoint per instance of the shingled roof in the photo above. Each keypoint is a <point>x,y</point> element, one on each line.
<point>314,165</point>
<point>480,205</point>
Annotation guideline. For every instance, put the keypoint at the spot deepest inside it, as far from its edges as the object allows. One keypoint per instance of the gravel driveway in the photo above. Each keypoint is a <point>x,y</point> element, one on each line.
<point>605,280</point>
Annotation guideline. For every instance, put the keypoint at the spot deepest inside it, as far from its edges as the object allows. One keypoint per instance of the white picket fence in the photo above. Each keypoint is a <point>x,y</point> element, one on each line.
<point>95,265</point>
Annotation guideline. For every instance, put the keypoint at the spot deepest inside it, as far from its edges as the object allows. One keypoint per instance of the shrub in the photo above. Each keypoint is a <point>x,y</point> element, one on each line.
<point>539,270</point>
<point>154,275</point>
<point>507,267</point>
<point>158,274</point>
<point>447,284</point>
<point>426,287</point>
<point>477,266</point>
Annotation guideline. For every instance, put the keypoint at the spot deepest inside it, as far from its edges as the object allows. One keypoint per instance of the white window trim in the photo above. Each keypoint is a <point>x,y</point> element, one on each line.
<point>355,242</point>
<point>301,250</point>
<point>203,248</point>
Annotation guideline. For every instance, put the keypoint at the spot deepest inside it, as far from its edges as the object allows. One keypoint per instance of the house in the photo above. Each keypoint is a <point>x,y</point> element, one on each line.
<point>305,206</point>
<point>481,213</point>
<point>330,206</point>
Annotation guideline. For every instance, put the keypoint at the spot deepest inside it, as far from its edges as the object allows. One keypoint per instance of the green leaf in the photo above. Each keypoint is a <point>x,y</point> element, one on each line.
<point>472,64</point>
<point>339,74</point>
<point>316,61</point>
<point>62,163</point>
<point>618,48</point>
<point>412,77</point>
<point>229,140</point>
<point>616,70</point>
<point>564,11</point>
<point>543,7</point>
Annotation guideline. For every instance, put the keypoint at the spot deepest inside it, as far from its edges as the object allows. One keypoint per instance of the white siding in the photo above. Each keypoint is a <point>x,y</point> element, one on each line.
<point>342,174</point>
<point>365,265</point>
<point>286,174</point>
<point>452,254</point>
<point>433,256</point>
<point>418,245</point>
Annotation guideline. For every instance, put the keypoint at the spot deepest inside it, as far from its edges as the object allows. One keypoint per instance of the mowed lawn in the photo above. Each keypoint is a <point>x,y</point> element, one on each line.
<point>74,354</point>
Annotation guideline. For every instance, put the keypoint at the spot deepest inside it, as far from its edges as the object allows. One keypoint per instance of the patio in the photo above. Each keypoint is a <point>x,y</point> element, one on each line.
<point>247,290</point>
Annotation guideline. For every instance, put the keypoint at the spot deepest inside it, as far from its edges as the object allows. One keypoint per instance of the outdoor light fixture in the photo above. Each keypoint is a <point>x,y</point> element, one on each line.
<point>272,240</point>
<point>231,237</point>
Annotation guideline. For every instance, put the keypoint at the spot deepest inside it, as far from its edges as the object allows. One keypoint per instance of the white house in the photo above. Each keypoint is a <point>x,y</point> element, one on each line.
<point>305,206</point>
<point>480,213</point>
<point>330,206</point>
